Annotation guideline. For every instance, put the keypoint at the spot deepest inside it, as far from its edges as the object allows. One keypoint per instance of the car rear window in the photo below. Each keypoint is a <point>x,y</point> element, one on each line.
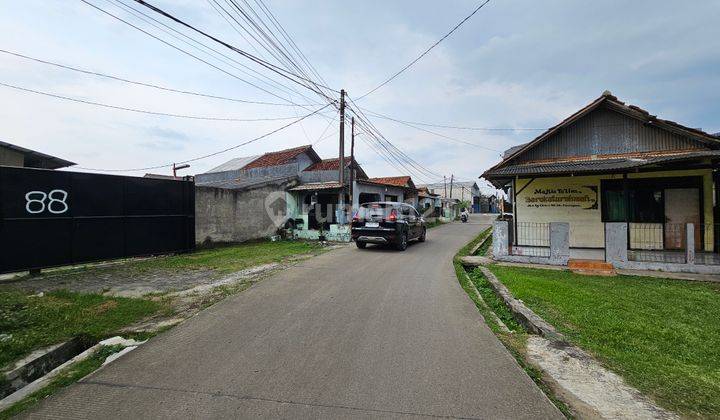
<point>374,211</point>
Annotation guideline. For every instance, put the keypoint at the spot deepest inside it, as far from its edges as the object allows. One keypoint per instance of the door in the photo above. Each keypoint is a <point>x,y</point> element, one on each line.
<point>682,205</point>
<point>408,213</point>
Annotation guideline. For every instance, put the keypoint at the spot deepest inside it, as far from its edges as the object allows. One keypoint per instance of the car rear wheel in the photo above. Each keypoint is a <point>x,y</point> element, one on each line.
<point>403,243</point>
<point>360,245</point>
<point>422,235</point>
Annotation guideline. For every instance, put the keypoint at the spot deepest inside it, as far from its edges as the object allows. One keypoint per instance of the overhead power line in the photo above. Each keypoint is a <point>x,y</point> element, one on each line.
<point>142,111</point>
<point>186,52</point>
<point>389,79</point>
<point>195,159</point>
<point>145,84</point>
<point>285,73</point>
<point>208,50</point>
<point>456,140</point>
<point>456,127</point>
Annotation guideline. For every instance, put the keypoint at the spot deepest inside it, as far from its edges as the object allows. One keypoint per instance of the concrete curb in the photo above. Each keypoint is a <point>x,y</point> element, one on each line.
<point>497,319</point>
<point>480,244</point>
<point>42,382</point>
<point>524,315</point>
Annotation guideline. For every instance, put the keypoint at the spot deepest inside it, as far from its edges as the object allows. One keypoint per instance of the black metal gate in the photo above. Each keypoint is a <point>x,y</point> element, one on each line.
<point>52,218</point>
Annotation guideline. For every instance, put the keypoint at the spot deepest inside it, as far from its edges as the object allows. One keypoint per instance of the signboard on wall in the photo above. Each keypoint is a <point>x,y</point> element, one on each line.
<point>583,197</point>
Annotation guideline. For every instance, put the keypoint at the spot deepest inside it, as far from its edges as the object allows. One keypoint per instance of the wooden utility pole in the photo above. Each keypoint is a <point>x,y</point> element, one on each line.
<point>451,184</point>
<point>352,159</point>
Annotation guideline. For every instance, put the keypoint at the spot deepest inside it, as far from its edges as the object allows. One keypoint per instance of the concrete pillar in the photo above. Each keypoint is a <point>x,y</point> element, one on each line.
<point>500,238</point>
<point>616,242</point>
<point>559,242</point>
<point>690,243</point>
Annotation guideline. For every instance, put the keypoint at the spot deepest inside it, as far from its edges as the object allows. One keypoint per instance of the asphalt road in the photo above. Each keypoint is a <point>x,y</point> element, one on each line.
<point>349,334</point>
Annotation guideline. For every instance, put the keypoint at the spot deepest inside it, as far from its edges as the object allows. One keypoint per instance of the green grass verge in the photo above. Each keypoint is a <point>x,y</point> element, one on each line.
<point>38,321</point>
<point>483,250</point>
<point>227,259</point>
<point>69,376</point>
<point>222,259</point>
<point>662,336</point>
<point>434,223</point>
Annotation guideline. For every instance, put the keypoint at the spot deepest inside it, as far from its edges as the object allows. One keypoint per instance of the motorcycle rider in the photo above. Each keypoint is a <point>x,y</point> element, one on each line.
<point>464,215</point>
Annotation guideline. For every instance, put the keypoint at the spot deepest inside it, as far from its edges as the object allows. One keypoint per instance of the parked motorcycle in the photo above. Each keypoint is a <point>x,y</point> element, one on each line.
<point>463,218</point>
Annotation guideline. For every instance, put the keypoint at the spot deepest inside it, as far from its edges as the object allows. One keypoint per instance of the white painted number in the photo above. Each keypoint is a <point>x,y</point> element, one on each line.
<point>35,202</point>
<point>35,205</point>
<point>57,205</point>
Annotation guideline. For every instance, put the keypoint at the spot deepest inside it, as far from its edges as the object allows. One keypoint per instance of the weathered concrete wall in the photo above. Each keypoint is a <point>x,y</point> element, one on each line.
<point>616,242</point>
<point>500,238</point>
<point>559,242</point>
<point>224,215</point>
<point>11,158</point>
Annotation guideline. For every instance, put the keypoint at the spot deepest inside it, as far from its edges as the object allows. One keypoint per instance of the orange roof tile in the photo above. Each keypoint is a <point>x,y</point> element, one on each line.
<point>277,158</point>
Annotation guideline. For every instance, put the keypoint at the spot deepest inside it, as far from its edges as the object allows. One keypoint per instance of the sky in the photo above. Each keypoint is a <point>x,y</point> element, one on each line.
<point>515,64</point>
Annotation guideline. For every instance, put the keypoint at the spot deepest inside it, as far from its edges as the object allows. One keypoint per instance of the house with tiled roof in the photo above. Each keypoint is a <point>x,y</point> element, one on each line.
<point>635,190</point>
<point>231,198</point>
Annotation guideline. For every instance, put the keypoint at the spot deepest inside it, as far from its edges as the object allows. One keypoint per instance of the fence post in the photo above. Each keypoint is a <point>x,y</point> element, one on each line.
<point>500,238</point>
<point>616,242</point>
<point>559,242</point>
<point>690,243</point>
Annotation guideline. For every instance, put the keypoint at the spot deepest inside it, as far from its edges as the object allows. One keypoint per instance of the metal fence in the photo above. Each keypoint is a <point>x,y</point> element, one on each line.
<point>657,242</point>
<point>53,218</point>
<point>531,239</point>
<point>706,252</point>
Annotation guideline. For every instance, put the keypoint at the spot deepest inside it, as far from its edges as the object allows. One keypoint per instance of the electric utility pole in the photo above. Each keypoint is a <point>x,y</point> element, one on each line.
<point>352,159</point>
<point>445,186</point>
<point>342,138</point>
<point>451,184</point>
<point>341,172</point>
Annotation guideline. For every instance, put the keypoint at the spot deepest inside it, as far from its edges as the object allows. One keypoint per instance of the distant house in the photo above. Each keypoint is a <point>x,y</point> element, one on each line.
<point>13,155</point>
<point>250,197</point>
<point>410,192</point>
<point>480,201</point>
<point>612,165</point>
<point>429,204</point>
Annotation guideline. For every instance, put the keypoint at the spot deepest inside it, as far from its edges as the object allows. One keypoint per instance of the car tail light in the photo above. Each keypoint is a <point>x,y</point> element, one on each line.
<point>393,216</point>
<point>356,216</point>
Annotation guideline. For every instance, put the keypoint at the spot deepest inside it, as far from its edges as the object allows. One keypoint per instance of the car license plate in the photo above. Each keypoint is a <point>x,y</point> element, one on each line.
<point>372,224</point>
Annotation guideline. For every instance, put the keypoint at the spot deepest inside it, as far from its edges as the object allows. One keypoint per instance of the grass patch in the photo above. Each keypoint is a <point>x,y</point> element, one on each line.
<point>434,223</point>
<point>662,336</point>
<point>71,375</point>
<point>38,321</point>
<point>483,250</point>
<point>228,259</point>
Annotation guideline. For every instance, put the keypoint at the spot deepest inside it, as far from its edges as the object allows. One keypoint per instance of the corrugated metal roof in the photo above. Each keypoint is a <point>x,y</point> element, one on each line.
<point>597,165</point>
<point>313,186</point>
<point>233,164</point>
<point>35,159</point>
<point>243,184</point>
<point>606,99</point>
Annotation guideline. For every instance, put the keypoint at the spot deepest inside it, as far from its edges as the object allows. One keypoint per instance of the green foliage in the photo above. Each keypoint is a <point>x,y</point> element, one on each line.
<point>229,258</point>
<point>38,321</point>
<point>69,376</point>
<point>662,336</point>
